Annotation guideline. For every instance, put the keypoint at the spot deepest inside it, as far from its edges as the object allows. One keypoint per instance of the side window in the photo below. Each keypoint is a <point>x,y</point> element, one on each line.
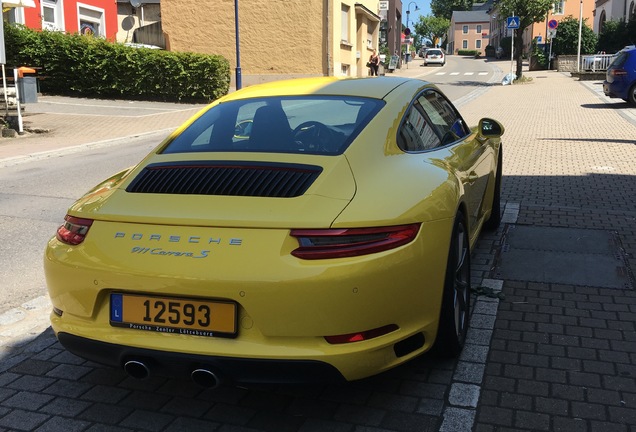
<point>445,120</point>
<point>430,122</point>
<point>416,132</point>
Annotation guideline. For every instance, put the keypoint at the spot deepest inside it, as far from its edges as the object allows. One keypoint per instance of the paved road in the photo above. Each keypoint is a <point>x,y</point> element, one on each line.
<point>549,356</point>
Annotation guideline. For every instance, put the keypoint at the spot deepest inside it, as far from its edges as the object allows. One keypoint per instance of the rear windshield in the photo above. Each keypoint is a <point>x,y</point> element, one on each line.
<point>619,60</point>
<point>307,124</point>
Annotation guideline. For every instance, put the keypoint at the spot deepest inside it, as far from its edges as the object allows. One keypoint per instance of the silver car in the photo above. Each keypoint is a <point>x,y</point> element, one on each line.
<point>434,56</point>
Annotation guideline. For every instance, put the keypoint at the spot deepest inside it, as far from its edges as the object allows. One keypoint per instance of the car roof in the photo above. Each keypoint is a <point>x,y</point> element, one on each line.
<point>374,87</point>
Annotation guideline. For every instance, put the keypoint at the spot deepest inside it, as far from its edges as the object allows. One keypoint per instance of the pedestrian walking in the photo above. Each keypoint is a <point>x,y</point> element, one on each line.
<point>374,63</point>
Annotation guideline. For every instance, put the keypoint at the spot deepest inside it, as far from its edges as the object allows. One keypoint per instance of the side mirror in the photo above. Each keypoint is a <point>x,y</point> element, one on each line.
<point>490,128</point>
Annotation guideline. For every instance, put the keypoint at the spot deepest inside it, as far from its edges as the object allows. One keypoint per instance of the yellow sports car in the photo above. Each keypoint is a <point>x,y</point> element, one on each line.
<point>306,230</point>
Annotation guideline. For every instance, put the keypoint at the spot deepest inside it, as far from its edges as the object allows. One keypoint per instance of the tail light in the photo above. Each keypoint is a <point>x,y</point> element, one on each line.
<point>74,230</point>
<point>340,243</point>
<point>618,72</point>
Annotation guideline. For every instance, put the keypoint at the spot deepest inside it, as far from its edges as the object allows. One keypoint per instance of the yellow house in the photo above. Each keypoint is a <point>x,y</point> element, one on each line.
<point>278,38</point>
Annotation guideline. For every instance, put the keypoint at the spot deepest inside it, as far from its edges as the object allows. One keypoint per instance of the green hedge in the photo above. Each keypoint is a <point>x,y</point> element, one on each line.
<point>87,66</point>
<point>472,53</point>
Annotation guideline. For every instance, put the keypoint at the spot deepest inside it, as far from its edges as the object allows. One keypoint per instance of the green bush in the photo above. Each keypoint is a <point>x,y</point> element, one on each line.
<point>538,59</point>
<point>89,66</point>
<point>472,53</point>
<point>617,34</point>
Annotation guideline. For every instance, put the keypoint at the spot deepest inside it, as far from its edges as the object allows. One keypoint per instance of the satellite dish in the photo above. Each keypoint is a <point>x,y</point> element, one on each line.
<point>135,3</point>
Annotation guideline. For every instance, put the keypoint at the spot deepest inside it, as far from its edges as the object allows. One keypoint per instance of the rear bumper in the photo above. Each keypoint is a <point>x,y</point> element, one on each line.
<point>614,90</point>
<point>180,365</point>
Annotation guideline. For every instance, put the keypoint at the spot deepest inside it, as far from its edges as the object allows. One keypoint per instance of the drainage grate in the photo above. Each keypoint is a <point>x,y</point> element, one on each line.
<point>568,256</point>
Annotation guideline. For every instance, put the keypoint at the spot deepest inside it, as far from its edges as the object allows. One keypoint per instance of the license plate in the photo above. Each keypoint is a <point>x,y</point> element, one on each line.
<point>174,315</point>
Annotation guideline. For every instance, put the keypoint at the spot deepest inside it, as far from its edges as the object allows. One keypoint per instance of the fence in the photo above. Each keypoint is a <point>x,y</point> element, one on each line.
<point>596,62</point>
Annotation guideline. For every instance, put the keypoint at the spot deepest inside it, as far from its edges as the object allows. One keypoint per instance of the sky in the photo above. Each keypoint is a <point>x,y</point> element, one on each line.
<point>423,5</point>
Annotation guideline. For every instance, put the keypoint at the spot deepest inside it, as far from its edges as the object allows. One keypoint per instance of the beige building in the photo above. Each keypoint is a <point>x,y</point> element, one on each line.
<point>278,38</point>
<point>131,18</point>
<point>613,10</point>
<point>469,30</point>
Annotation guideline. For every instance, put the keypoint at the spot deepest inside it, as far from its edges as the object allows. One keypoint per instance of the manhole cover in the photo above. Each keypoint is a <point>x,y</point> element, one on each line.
<point>568,256</point>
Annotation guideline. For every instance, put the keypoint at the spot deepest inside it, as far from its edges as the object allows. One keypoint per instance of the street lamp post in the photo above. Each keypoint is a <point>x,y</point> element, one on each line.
<point>239,83</point>
<point>578,52</point>
<point>408,45</point>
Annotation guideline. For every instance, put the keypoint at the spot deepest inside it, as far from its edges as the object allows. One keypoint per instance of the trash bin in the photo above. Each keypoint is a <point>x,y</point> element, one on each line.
<point>28,89</point>
<point>27,85</point>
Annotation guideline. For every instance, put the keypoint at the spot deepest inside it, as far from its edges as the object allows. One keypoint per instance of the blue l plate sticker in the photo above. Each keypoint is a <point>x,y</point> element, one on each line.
<point>116,303</point>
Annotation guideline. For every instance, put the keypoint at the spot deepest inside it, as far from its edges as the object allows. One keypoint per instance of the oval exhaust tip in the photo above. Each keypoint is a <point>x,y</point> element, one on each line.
<point>205,378</point>
<point>137,369</point>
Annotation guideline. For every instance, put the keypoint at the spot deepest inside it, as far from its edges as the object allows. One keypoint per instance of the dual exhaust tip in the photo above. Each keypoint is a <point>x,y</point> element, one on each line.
<point>203,377</point>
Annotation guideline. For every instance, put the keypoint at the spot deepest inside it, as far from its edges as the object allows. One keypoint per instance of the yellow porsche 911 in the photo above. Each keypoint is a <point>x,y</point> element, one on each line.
<point>298,231</point>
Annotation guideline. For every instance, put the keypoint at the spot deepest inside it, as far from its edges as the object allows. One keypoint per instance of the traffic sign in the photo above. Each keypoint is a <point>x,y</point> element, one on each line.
<point>552,33</point>
<point>513,22</point>
<point>553,24</point>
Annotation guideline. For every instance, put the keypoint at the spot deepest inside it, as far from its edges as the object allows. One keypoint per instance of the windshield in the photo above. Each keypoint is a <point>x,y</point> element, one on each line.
<point>306,124</point>
<point>619,59</point>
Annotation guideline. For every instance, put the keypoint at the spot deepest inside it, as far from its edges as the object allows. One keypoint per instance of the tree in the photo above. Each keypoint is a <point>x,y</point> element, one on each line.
<point>566,41</point>
<point>529,12</point>
<point>617,34</point>
<point>445,8</point>
<point>433,28</point>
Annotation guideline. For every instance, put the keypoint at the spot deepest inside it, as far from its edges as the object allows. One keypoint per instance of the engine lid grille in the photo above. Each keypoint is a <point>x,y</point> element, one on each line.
<point>230,178</point>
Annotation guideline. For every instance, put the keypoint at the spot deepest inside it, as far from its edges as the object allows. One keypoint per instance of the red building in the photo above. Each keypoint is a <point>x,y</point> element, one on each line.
<point>97,17</point>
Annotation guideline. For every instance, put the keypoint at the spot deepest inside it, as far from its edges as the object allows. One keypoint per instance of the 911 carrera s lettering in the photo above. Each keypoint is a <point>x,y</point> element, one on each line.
<point>160,251</point>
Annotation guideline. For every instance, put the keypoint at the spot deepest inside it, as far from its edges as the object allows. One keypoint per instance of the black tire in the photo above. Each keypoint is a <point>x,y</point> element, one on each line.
<point>455,312</point>
<point>631,96</point>
<point>494,220</point>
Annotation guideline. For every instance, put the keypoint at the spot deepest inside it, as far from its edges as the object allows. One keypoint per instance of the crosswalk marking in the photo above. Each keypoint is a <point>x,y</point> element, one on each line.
<point>465,73</point>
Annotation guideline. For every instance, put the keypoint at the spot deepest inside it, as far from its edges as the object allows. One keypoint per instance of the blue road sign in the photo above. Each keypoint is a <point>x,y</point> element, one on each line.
<point>513,22</point>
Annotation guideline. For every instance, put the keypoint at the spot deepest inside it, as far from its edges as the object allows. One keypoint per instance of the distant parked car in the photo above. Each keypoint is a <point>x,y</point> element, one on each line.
<point>422,52</point>
<point>434,56</point>
<point>620,79</point>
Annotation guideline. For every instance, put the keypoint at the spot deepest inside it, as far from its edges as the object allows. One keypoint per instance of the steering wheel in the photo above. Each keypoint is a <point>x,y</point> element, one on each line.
<point>314,136</point>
